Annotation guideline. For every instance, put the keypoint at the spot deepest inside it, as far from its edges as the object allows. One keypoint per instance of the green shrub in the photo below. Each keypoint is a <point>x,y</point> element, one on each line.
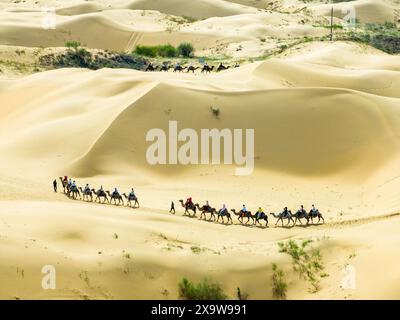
<point>167,51</point>
<point>385,36</point>
<point>186,49</point>
<point>72,44</point>
<point>215,112</point>
<point>306,262</point>
<point>279,285</point>
<point>147,51</point>
<point>241,295</point>
<point>204,290</point>
<point>81,58</point>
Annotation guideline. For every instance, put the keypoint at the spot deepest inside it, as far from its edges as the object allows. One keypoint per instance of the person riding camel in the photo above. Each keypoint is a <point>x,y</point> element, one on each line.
<point>73,185</point>
<point>65,179</point>
<point>301,210</point>
<point>314,210</point>
<point>87,188</point>
<point>244,209</point>
<point>189,202</point>
<point>132,194</point>
<point>285,212</point>
<point>207,206</point>
<point>260,213</point>
<point>223,210</point>
<point>115,192</point>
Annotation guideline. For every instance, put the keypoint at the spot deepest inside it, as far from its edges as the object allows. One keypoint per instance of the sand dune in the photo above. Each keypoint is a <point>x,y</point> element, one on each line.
<point>367,11</point>
<point>122,26</point>
<point>199,9</point>
<point>343,146</point>
<point>93,30</point>
<point>80,8</point>
<point>98,30</point>
<point>345,55</point>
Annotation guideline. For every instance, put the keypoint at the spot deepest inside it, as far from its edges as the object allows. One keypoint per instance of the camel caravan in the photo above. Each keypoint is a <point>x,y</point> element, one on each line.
<point>205,68</point>
<point>101,196</point>
<point>224,215</point>
<point>256,218</point>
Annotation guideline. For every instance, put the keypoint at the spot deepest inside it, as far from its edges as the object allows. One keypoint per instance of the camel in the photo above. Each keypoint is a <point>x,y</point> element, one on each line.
<point>150,67</point>
<point>207,68</point>
<point>129,198</point>
<point>179,68</point>
<point>261,216</point>
<point>300,215</point>
<point>281,216</point>
<point>312,215</point>
<point>115,197</point>
<point>242,215</point>
<point>222,215</point>
<point>204,210</point>
<point>64,184</point>
<point>191,207</point>
<point>74,192</point>
<point>192,69</point>
<point>100,194</point>
<point>86,194</point>
<point>165,67</point>
<point>221,67</point>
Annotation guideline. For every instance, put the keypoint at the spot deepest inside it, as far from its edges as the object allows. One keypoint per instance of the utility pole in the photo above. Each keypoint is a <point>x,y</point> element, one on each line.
<point>332,24</point>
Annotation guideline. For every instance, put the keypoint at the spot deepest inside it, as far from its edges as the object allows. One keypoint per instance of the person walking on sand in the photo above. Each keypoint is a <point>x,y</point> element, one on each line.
<point>55,185</point>
<point>172,210</point>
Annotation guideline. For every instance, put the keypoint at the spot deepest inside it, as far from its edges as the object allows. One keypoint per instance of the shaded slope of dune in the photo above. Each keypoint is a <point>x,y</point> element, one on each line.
<point>92,30</point>
<point>80,8</point>
<point>199,9</point>
<point>310,132</point>
<point>345,55</point>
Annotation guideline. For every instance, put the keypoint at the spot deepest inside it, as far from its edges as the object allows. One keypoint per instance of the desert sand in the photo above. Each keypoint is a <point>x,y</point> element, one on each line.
<point>327,132</point>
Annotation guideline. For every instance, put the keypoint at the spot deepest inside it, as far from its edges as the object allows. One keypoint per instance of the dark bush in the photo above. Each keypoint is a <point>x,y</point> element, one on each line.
<point>186,49</point>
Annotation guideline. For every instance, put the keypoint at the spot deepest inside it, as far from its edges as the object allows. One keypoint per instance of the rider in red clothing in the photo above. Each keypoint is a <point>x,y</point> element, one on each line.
<point>189,202</point>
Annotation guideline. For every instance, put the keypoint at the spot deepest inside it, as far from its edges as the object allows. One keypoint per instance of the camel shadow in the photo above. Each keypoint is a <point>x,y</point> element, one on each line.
<point>303,225</point>
<point>284,226</point>
<point>225,224</point>
<point>295,225</point>
<point>247,225</point>
<point>207,220</point>
<point>188,216</point>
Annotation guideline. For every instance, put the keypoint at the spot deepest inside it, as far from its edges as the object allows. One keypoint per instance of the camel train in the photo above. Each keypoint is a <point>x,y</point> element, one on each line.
<point>104,196</point>
<point>165,67</point>
<point>101,196</point>
<point>257,218</point>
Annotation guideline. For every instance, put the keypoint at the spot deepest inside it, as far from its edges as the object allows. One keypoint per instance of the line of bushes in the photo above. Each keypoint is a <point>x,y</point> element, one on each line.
<point>79,57</point>
<point>167,50</point>
<point>385,37</point>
